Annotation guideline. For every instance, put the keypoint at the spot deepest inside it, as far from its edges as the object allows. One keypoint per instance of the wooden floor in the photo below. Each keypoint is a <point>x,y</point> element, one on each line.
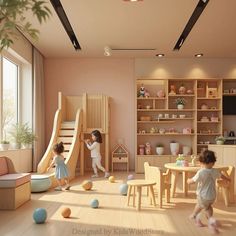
<point>113,217</point>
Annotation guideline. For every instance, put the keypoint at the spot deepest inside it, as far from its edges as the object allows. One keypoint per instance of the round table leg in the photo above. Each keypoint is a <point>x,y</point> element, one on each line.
<point>134,197</point>
<point>129,193</point>
<point>152,195</point>
<point>139,192</point>
<point>174,177</point>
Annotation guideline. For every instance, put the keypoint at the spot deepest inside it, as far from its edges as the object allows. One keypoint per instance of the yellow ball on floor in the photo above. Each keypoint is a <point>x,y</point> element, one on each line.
<point>87,185</point>
<point>66,212</point>
<point>112,179</point>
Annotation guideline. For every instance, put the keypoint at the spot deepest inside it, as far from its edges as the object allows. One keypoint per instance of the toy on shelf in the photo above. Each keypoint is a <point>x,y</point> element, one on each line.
<point>142,91</point>
<point>172,90</point>
<point>152,130</point>
<point>204,106</point>
<point>182,89</point>
<point>187,130</point>
<point>148,149</point>
<point>212,92</point>
<point>146,94</point>
<point>141,149</point>
<point>161,94</point>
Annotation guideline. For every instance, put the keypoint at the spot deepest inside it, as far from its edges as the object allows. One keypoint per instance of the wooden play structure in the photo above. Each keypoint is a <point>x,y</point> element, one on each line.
<point>75,118</point>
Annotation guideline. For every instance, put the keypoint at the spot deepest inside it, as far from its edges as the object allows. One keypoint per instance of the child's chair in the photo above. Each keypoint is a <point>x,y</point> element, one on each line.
<point>162,181</point>
<point>226,187</point>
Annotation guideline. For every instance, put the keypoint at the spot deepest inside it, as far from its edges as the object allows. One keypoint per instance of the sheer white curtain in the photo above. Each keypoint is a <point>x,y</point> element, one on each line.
<point>38,108</point>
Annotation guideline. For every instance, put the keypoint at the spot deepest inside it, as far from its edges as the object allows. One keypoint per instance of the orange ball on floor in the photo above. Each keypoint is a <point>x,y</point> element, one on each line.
<point>66,212</point>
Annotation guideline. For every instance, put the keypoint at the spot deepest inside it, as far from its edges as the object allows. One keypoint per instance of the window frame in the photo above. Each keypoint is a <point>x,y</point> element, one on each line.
<point>14,60</point>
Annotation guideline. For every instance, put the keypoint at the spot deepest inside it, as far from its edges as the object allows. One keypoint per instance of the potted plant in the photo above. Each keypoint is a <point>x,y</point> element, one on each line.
<point>160,149</point>
<point>174,148</point>
<point>220,140</point>
<point>4,145</point>
<point>180,102</point>
<point>28,137</point>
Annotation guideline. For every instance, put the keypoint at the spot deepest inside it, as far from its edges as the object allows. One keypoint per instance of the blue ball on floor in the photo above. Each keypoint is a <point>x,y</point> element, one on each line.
<point>130,177</point>
<point>94,203</point>
<point>40,215</point>
<point>123,189</point>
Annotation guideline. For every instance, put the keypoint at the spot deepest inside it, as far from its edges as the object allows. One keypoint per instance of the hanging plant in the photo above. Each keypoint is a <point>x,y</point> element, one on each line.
<point>12,19</point>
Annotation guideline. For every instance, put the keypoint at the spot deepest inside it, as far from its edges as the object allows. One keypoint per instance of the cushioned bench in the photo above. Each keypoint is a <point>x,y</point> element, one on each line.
<point>14,187</point>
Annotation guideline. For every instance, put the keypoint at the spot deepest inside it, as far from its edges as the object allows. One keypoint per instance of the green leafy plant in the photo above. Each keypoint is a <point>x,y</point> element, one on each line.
<point>12,19</point>
<point>28,137</point>
<point>180,157</point>
<point>180,101</point>
<point>159,145</point>
<point>220,138</point>
<point>5,142</point>
<point>16,133</point>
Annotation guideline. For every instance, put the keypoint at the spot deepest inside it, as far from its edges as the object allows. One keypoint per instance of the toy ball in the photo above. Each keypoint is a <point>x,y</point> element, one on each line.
<point>130,177</point>
<point>123,189</point>
<point>112,179</point>
<point>94,203</point>
<point>40,215</point>
<point>87,185</point>
<point>66,212</point>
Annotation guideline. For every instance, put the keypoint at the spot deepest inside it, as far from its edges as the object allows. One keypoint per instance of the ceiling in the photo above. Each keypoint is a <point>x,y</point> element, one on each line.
<point>147,24</point>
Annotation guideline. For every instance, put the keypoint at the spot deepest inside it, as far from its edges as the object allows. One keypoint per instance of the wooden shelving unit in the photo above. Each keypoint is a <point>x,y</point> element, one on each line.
<point>162,114</point>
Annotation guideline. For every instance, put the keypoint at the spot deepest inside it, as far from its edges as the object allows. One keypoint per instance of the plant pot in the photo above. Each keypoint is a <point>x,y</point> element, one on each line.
<point>219,142</point>
<point>180,106</point>
<point>15,145</point>
<point>174,148</point>
<point>4,147</point>
<point>186,150</point>
<point>26,145</point>
<point>159,150</point>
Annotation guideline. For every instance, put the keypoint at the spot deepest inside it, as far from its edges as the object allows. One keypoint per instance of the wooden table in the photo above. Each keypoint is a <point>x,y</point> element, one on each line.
<point>138,184</point>
<point>175,170</point>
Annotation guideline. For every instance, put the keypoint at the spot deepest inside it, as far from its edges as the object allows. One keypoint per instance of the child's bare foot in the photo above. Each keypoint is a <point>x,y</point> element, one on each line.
<point>199,223</point>
<point>197,220</point>
<point>213,226</point>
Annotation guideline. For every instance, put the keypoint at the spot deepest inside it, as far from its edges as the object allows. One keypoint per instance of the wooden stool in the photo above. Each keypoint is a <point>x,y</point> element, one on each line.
<point>138,184</point>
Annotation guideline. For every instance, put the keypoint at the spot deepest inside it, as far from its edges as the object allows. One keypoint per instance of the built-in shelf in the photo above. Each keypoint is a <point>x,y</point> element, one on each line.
<point>229,94</point>
<point>206,98</point>
<point>155,122</point>
<point>153,110</point>
<point>181,95</point>
<point>151,98</point>
<point>181,110</point>
<point>209,122</point>
<point>202,144</point>
<point>165,134</point>
<point>159,156</point>
<point>209,134</point>
<point>208,110</point>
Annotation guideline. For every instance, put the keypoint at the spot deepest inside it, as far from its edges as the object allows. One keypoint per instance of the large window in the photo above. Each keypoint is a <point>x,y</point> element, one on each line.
<point>10,72</point>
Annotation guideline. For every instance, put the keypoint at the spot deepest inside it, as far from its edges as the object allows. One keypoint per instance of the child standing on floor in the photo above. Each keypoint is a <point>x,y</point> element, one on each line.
<point>61,171</point>
<point>95,153</point>
<point>206,192</point>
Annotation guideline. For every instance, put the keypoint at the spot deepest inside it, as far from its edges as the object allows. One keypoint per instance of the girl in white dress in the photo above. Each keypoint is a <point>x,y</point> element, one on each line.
<point>94,147</point>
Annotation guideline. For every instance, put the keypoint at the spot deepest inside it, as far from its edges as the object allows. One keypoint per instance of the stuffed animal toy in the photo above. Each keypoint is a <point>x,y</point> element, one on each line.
<point>148,150</point>
<point>142,91</point>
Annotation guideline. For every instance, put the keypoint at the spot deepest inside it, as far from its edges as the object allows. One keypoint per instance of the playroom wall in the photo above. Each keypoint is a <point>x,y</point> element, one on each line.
<point>116,78</point>
<point>111,77</point>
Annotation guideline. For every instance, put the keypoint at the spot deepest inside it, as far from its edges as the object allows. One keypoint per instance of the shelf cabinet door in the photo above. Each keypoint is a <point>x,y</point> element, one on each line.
<point>140,162</point>
<point>218,152</point>
<point>229,154</point>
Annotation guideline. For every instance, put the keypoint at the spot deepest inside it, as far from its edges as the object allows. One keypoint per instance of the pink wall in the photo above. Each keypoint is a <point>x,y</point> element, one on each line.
<point>111,77</point>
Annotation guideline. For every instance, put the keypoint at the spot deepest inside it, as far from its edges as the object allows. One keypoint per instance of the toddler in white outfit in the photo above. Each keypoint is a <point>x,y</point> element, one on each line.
<point>95,153</point>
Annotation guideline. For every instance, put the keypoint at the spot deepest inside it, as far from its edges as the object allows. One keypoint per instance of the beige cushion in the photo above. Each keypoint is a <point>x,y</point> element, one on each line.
<point>3,166</point>
<point>14,180</point>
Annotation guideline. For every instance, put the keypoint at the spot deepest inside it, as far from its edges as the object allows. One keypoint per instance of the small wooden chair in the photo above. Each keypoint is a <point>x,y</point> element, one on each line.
<point>156,174</point>
<point>226,187</point>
